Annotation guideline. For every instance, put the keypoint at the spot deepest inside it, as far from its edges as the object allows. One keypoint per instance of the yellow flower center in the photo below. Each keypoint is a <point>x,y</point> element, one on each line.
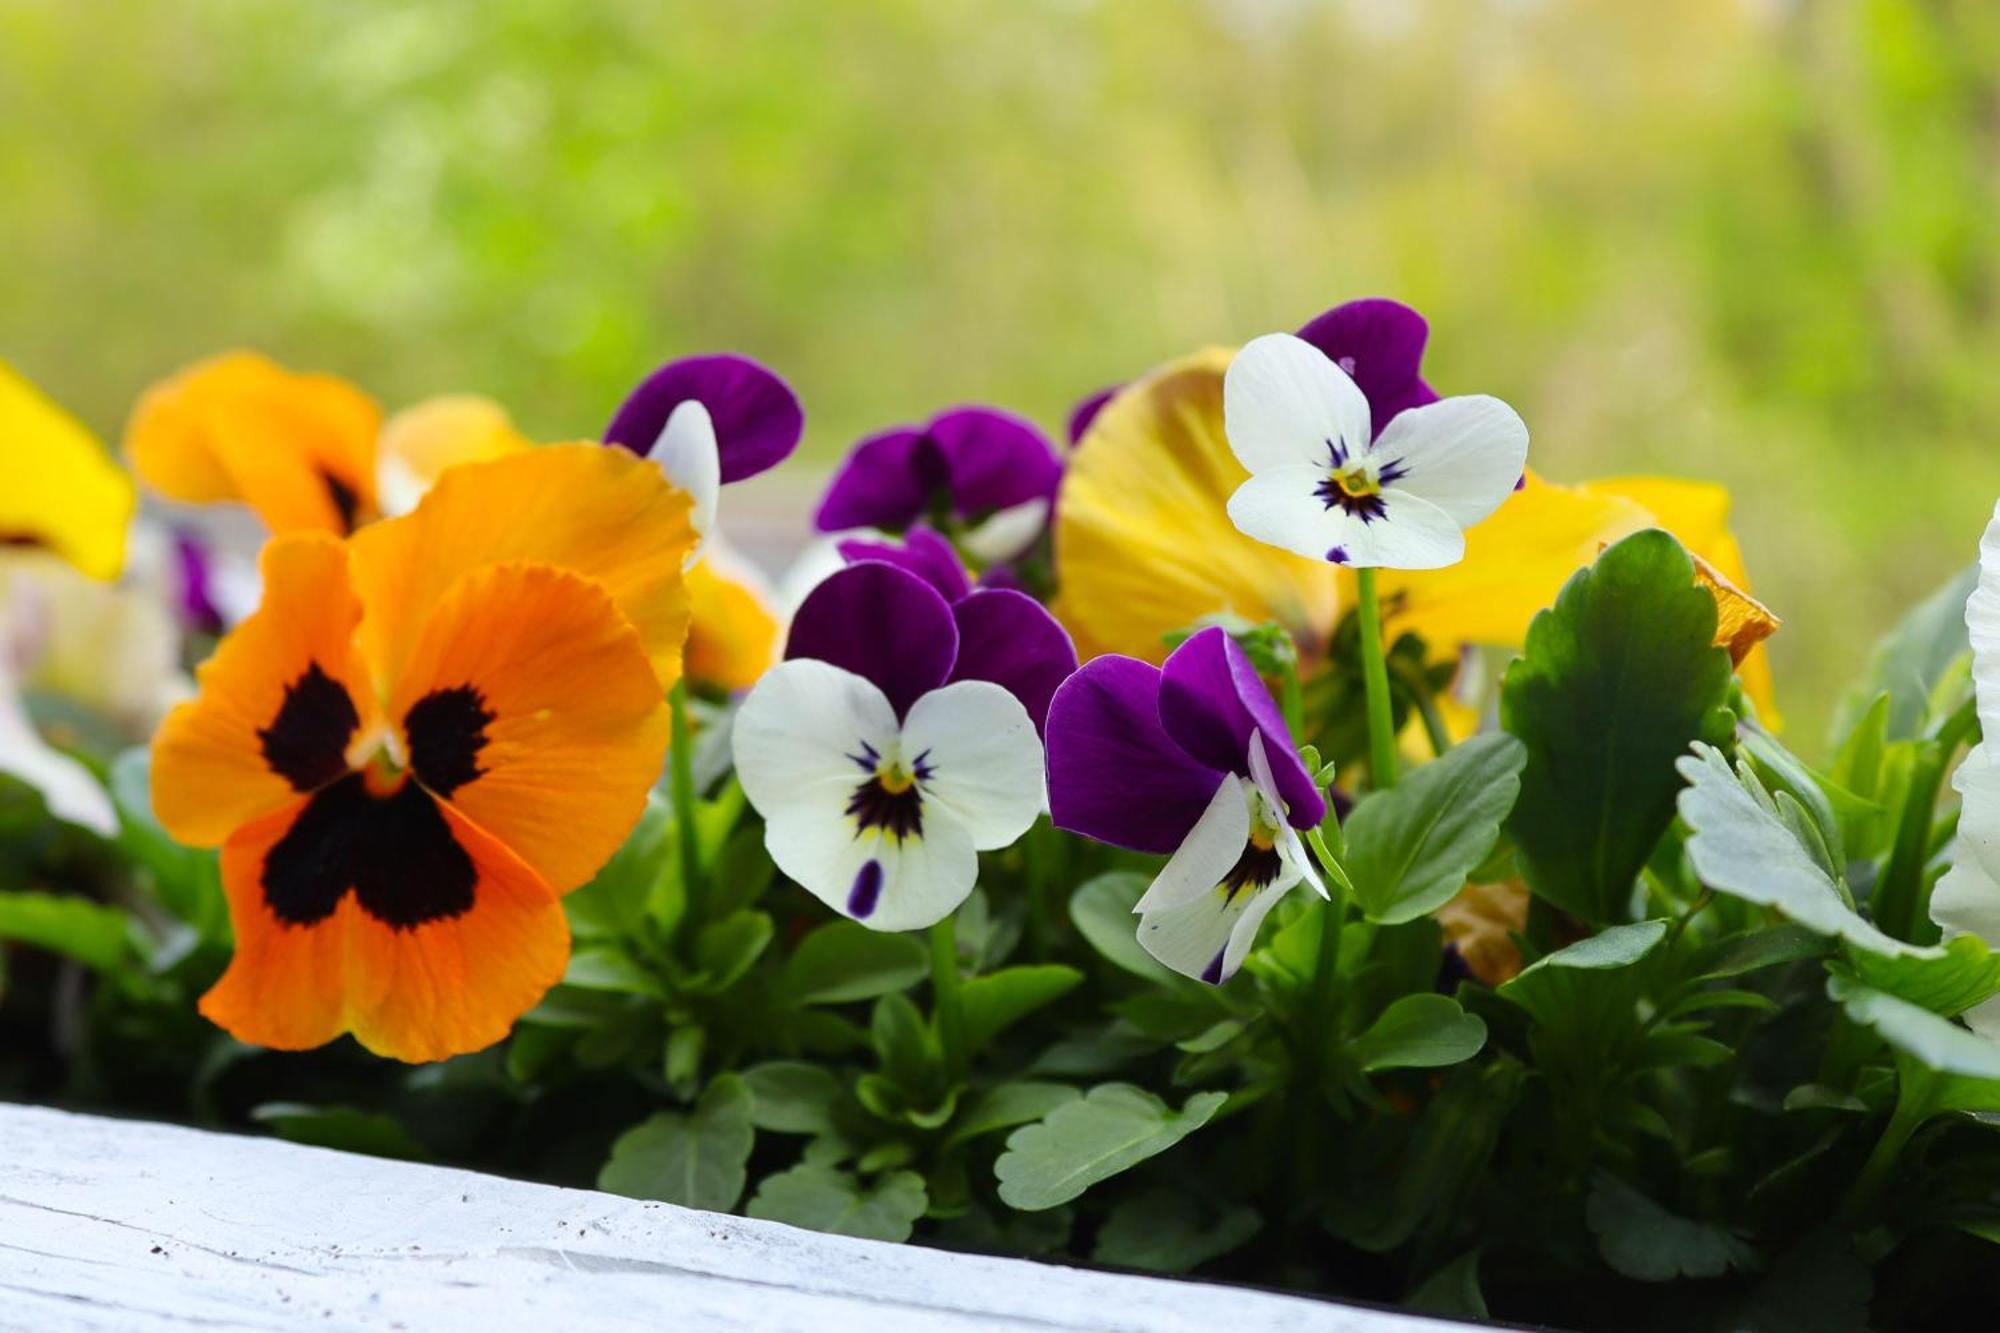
<point>895,779</point>
<point>1357,481</point>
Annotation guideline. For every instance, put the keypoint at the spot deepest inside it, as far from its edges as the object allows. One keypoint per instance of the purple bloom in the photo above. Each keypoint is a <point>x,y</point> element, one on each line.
<point>195,576</point>
<point>1086,412</point>
<point>894,743</point>
<point>1193,759</point>
<point>1380,344</point>
<point>756,415</point>
<point>976,463</point>
<point>907,619</point>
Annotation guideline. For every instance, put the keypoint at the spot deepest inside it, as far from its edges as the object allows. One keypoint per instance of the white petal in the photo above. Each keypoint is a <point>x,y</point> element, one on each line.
<point>67,787</point>
<point>1413,533</point>
<point>1464,455</point>
<point>1284,403</point>
<point>1206,854</point>
<point>1008,532</point>
<point>1967,899</point>
<point>797,735</point>
<point>1982,624</point>
<point>984,758</point>
<point>820,561</point>
<point>686,451</point>
<point>1283,509</point>
<point>883,882</point>
<point>1208,937</point>
<point>1291,850</point>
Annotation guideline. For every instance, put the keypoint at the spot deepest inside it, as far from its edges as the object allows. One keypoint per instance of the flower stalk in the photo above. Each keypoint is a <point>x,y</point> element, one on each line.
<point>947,1000</point>
<point>680,778</point>
<point>1375,679</point>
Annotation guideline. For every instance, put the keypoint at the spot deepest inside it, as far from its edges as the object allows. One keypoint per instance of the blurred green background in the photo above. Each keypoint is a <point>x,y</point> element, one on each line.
<point>1751,241</point>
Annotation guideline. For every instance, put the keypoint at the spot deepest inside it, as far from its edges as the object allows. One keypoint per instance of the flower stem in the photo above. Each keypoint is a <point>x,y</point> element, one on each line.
<point>947,1005</point>
<point>1324,1012</point>
<point>1375,676</point>
<point>1899,899</point>
<point>1903,1122</point>
<point>680,777</point>
<point>1292,701</point>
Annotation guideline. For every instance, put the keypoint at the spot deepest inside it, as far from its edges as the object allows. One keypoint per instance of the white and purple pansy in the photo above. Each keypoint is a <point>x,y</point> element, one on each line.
<point>991,472</point>
<point>889,748</point>
<point>1190,760</point>
<point>1323,484</point>
<point>708,421</point>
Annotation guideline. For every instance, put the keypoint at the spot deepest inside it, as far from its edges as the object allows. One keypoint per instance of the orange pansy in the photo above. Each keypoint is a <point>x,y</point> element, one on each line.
<point>400,814</point>
<point>298,449</point>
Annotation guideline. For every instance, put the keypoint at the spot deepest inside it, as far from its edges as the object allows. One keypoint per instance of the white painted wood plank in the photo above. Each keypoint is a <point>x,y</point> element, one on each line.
<point>119,1225</point>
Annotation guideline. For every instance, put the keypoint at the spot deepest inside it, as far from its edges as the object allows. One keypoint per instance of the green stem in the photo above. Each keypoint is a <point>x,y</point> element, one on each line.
<point>947,1003</point>
<point>1875,1173</point>
<point>1292,701</point>
<point>1375,676</point>
<point>1323,1014</point>
<point>1036,853</point>
<point>680,778</point>
<point>1899,900</point>
<point>1418,687</point>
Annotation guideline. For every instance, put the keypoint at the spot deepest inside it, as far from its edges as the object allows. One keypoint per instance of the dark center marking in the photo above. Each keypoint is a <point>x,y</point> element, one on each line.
<point>447,730</point>
<point>395,853</point>
<point>1259,865</point>
<point>900,814</point>
<point>345,499</point>
<point>1349,487</point>
<point>306,743</point>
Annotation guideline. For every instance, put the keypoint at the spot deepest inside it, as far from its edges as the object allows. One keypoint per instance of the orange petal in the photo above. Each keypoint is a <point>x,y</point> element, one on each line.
<point>600,512</point>
<point>733,636</point>
<point>443,987</point>
<point>1143,541</point>
<point>1741,621</point>
<point>227,756</point>
<point>529,704</point>
<point>420,442</point>
<point>298,449</point>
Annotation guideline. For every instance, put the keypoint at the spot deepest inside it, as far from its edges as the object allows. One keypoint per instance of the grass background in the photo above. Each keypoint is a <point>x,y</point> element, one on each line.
<point>1751,240</point>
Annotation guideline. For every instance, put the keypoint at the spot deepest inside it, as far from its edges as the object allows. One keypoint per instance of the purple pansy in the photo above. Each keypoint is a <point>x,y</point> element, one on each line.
<point>998,634</point>
<point>1086,412</point>
<point>708,421</point>
<point>889,748</point>
<point>194,579</point>
<point>1190,758</point>
<point>1380,344</point>
<point>991,470</point>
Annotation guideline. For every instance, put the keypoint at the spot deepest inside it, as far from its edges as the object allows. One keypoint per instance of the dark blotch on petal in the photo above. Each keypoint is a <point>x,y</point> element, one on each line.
<point>1337,554</point>
<point>1212,974</point>
<point>396,853</point>
<point>1255,869</point>
<point>306,743</point>
<point>447,730</point>
<point>345,500</point>
<point>867,891</point>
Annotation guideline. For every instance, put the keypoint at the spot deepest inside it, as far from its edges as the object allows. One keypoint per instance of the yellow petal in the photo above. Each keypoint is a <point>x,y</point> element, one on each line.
<point>58,488</point>
<point>733,633</point>
<point>298,449</point>
<point>1143,541</point>
<point>1697,513</point>
<point>443,432</point>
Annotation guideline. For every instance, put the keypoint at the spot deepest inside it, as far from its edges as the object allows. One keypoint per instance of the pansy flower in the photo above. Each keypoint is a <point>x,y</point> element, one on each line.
<point>990,474</point>
<point>1324,483</point>
<point>1005,636</point>
<point>298,449</point>
<point>882,761</point>
<point>1189,759</point>
<point>422,739</point>
<point>420,442</point>
<point>708,421</point>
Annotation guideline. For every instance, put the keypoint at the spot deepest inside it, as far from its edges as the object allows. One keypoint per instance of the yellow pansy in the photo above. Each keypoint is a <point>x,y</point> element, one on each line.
<point>733,628</point>
<point>58,487</point>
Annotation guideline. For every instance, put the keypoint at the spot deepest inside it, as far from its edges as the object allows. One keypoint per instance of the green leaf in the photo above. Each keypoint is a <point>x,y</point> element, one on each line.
<point>91,933</point>
<point>1112,1128</point>
<point>1410,848</point>
<point>1913,658</point>
<point>905,1044</point>
<point>616,897</point>
<point>1948,981</point>
<point>697,1159</point>
<point>1933,1040</point>
<point>1452,1291</point>
<point>792,1097</point>
<point>1617,679</point>
<point>186,880</point>
<point>1007,1105</point>
<point>1102,912</point>
<point>341,1127</point>
<point>1817,1286</point>
<point>1583,998</point>
<point>845,961</point>
<point>1771,946</point>
<point>726,949</point>
<point>1169,1231</point>
<point>743,870</point>
<point>1419,1032</point>
<point>606,967</point>
<point>1642,1240</point>
<point>823,1198</point>
<point>994,1002</point>
<point>1741,846</point>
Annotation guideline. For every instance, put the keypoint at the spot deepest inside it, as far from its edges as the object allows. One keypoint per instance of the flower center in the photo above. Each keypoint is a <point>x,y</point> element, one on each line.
<point>889,798</point>
<point>1260,863</point>
<point>1357,481</point>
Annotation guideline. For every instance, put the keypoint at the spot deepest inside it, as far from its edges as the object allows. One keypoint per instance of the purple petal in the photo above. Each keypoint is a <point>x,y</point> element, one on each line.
<point>1114,773</point>
<point>1211,699</point>
<point>757,417</point>
<point>197,581</point>
<point>1002,575</point>
<point>922,552</point>
<point>995,459</point>
<point>880,622</point>
<point>1380,344</point>
<point>1009,639</point>
<point>885,482</point>
<point>1086,412</point>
